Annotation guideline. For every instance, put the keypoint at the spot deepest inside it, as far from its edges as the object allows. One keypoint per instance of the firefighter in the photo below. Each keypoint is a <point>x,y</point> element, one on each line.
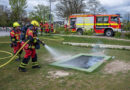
<point>23,32</point>
<point>15,39</point>
<point>52,27</point>
<point>65,26</point>
<point>30,48</point>
<point>41,25</point>
<point>46,26</point>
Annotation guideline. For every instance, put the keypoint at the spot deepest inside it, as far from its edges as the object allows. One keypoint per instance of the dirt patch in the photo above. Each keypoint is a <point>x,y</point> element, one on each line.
<point>57,74</point>
<point>117,66</point>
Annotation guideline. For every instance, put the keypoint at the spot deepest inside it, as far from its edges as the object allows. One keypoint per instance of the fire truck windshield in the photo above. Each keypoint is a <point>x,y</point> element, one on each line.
<point>121,19</point>
<point>115,19</point>
<point>72,23</point>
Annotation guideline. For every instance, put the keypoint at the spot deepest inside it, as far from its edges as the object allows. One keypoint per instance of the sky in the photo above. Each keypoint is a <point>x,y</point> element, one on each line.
<point>112,6</point>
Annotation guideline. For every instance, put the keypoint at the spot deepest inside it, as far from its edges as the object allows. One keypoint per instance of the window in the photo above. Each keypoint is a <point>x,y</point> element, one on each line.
<point>72,23</point>
<point>99,19</point>
<point>106,19</point>
<point>115,19</point>
<point>102,19</point>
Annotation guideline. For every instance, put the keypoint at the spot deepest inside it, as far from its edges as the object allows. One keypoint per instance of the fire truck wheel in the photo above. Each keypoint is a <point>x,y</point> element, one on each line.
<point>80,32</point>
<point>109,33</point>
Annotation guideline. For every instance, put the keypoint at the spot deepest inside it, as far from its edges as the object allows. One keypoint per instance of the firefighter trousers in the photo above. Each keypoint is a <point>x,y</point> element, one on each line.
<point>29,53</point>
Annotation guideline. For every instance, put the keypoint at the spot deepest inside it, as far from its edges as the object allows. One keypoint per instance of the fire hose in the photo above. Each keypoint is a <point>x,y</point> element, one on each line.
<point>6,53</point>
<point>14,55</point>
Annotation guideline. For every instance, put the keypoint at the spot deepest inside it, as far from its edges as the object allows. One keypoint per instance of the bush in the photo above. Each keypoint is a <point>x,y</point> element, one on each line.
<point>118,34</point>
<point>59,30</point>
<point>88,32</point>
<point>127,35</point>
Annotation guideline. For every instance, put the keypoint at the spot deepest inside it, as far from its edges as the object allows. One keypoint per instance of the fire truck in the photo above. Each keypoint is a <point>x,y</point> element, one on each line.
<point>100,24</point>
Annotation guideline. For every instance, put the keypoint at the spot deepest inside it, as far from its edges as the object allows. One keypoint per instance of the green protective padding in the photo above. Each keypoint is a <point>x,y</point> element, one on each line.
<point>90,69</point>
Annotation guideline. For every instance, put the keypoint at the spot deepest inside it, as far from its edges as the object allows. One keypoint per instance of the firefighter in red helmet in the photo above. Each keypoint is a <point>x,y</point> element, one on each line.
<point>15,39</point>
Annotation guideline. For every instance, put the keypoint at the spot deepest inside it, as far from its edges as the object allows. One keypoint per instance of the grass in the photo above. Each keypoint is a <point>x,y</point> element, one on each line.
<point>11,79</point>
<point>95,40</point>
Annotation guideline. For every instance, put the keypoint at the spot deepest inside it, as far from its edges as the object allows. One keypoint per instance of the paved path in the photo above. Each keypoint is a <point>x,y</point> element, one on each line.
<point>98,45</point>
<point>3,33</point>
<point>102,37</point>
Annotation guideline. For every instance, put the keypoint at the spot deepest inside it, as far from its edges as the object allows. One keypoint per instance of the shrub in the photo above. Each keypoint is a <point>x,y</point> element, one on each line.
<point>127,35</point>
<point>118,34</point>
<point>59,30</point>
<point>88,32</point>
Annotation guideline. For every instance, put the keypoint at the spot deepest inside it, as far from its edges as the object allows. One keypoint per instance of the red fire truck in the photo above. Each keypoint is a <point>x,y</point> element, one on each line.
<point>100,24</point>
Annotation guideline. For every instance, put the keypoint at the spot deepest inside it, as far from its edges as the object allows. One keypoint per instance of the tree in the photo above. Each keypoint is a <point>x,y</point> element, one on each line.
<point>18,8</point>
<point>127,16</point>
<point>41,12</point>
<point>126,21</point>
<point>4,16</point>
<point>95,7</point>
<point>65,8</point>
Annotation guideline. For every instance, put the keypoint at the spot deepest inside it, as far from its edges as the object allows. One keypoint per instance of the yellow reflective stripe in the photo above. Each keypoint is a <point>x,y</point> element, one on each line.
<point>26,36</point>
<point>33,47</point>
<point>30,31</point>
<point>102,24</point>
<point>114,24</point>
<point>35,41</point>
<point>29,46</point>
<point>13,39</point>
<point>34,63</point>
<point>23,65</point>
<point>12,33</point>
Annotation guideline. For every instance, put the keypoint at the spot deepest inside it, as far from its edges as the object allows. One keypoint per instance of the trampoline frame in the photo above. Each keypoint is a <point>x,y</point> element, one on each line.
<point>90,69</point>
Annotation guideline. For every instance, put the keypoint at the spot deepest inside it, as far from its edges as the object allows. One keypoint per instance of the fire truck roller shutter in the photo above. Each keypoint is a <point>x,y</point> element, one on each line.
<point>89,23</point>
<point>79,22</point>
<point>86,23</point>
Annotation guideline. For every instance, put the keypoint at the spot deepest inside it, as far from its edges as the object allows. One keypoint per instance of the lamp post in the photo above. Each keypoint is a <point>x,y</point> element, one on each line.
<point>50,13</point>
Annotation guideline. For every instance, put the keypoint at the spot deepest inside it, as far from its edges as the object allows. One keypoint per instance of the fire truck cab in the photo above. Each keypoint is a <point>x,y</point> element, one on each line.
<point>100,24</point>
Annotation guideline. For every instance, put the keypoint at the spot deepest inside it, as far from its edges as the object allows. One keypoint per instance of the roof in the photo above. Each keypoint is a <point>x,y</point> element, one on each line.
<point>86,15</point>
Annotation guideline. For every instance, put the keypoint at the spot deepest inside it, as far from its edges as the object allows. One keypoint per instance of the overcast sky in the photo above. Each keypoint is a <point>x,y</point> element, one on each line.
<point>112,6</point>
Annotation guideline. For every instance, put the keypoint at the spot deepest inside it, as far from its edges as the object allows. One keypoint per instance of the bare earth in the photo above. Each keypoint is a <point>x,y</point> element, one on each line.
<point>117,66</point>
<point>57,74</point>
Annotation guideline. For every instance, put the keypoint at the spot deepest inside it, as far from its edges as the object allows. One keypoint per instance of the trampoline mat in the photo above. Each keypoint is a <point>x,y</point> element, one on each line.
<point>82,61</point>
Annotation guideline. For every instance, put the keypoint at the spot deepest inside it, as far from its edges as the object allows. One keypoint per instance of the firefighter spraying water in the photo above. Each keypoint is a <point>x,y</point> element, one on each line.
<point>27,39</point>
<point>30,48</point>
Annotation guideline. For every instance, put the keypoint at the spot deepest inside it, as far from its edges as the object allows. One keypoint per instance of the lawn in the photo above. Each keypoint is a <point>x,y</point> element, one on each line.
<point>11,79</point>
